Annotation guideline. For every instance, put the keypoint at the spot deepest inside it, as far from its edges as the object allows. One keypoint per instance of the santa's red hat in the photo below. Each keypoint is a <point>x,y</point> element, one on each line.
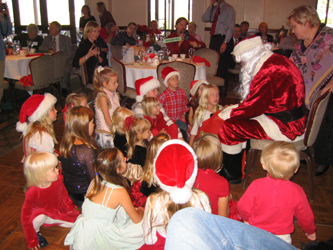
<point>195,85</point>
<point>34,108</point>
<point>175,170</point>
<point>167,72</point>
<point>144,85</point>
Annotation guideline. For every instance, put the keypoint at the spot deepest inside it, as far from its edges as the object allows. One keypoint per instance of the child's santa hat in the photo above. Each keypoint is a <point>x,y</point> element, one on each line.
<point>175,170</point>
<point>195,85</point>
<point>144,85</point>
<point>34,108</point>
<point>167,72</point>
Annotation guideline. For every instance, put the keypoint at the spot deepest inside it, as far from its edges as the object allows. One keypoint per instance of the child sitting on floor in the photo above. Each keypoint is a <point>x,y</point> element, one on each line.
<point>173,99</point>
<point>175,170</point>
<point>46,200</point>
<point>196,91</point>
<point>151,109</point>
<point>74,100</point>
<point>271,203</point>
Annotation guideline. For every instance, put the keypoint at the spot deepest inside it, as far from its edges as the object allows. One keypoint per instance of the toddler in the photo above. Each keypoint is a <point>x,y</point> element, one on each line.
<point>109,219</point>
<point>107,100</point>
<point>271,203</point>
<point>46,200</point>
<point>175,170</point>
<point>196,91</point>
<point>151,110</point>
<point>78,153</point>
<point>208,105</point>
<point>173,99</point>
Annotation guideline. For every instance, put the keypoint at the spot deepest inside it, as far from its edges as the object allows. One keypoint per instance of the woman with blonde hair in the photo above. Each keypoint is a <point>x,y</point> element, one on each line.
<point>89,50</point>
<point>104,15</point>
<point>313,55</point>
<point>192,28</point>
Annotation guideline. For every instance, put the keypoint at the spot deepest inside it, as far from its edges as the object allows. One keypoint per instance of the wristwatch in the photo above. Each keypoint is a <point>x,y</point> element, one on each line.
<point>86,57</point>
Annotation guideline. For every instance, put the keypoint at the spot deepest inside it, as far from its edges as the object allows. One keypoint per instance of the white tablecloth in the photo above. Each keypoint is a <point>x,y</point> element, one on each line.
<point>16,67</point>
<point>134,73</point>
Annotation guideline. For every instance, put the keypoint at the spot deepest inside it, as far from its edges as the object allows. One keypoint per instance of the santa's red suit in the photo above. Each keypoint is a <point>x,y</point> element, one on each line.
<point>276,87</point>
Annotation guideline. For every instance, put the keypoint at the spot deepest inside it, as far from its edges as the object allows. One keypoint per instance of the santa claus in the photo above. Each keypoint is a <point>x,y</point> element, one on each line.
<point>272,92</point>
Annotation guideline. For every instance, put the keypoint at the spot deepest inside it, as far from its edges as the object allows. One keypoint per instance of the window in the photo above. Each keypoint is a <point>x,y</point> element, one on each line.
<point>58,11</point>
<point>26,7</point>
<point>166,12</point>
<point>325,11</point>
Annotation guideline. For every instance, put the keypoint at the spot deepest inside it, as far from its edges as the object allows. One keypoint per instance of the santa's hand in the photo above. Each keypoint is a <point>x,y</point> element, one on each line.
<point>223,47</point>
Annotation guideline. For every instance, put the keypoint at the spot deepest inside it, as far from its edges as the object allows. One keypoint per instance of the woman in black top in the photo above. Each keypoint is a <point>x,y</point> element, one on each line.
<point>86,17</point>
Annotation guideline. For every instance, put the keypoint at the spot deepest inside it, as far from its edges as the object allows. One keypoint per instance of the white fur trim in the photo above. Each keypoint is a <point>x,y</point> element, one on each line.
<point>146,87</point>
<point>178,192</point>
<point>173,73</point>
<point>20,127</point>
<point>44,106</point>
<point>247,44</point>
<point>197,85</point>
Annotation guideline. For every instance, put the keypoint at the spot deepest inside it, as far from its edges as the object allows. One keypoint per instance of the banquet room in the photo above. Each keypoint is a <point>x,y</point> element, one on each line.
<point>249,73</point>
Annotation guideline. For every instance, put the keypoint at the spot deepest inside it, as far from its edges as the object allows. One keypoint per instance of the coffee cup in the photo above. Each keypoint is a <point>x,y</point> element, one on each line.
<point>182,56</point>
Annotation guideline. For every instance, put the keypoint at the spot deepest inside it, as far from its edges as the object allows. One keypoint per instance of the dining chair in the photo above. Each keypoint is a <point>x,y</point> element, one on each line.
<point>116,52</point>
<point>123,90</point>
<point>213,58</point>
<point>314,121</point>
<point>187,73</point>
<point>60,59</point>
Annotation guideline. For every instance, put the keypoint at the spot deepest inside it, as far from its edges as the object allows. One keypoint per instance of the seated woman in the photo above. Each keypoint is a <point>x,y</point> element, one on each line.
<point>154,29</point>
<point>89,50</point>
<point>32,30</point>
<point>266,38</point>
<point>192,27</point>
<point>86,17</point>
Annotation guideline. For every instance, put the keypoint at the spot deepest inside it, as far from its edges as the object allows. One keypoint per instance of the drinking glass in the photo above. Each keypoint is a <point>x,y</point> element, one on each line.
<point>29,43</point>
<point>191,53</point>
<point>140,55</point>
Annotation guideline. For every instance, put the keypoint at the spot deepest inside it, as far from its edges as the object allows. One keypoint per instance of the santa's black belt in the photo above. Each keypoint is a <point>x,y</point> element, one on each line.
<point>289,116</point>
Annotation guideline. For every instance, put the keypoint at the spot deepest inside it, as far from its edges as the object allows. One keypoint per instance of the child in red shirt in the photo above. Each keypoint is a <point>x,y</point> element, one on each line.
<point>271,203</point>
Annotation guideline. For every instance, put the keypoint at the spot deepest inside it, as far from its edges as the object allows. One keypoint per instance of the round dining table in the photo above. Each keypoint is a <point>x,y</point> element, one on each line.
<point>135,72</point>
<point>17,66</point>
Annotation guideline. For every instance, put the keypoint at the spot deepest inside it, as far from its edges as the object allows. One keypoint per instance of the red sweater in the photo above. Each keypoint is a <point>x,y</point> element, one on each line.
<point>184,47</point>
<point>52,201</point>
<point>271,205</point>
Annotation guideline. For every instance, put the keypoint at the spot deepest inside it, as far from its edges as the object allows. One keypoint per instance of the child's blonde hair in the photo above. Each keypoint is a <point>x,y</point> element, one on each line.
<point>74,100</point>
<point>106,164</point>
<point>153,146</point>
<point>148,103</point>
<point>280,160</point>
<point>209,152</point>
<point>136,126</point>
<point>102,75</point>
<point>203,104</point>
<point>43,124</point>
<point>118,118</point>
<point>76,127</point>
<point>35,167</point>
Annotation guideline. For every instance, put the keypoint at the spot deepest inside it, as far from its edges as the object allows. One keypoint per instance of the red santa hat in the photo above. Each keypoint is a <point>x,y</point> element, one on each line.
<point>247,44</point>
<point>34,108</point>
<point>144,85</point>
<point>175,170</point>
<point>167,72</point>
<point>195,85</point>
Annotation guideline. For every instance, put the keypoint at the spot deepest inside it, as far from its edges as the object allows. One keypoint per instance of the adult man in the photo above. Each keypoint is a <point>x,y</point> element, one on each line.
<point>32,36</point>
<point>272,106</point>
<point>244,28</point>
<point>6,29</point>
<point>263,27</point>
<point>231,44</point>
<point>187,41</point>
<point>108,32</point>
<point>125,38</point>
<point>154,29</point>
<point>56,42</point>
<point>222,16</point>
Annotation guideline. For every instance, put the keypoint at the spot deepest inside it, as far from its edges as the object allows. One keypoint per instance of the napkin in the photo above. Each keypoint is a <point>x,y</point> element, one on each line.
<point>27,81</point>
<point>151,55</point>
<point>38,54</point>
<point>199,59</point>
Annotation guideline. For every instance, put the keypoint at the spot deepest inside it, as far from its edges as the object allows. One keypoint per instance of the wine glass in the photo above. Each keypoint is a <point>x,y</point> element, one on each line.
<point>161,56</point>
<point>191,53</point>
<point>140,55</point>
<point>29,43</point>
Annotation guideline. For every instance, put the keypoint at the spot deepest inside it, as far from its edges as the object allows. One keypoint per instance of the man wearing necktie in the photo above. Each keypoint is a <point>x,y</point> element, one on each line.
<point>231,44</point>
<point>222,16</point>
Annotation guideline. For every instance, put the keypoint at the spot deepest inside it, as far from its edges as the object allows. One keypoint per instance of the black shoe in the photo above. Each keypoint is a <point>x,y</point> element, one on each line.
<point>230,178</point>
<point>42,241</point>
<point>321,169</point>
<point>235,181</point>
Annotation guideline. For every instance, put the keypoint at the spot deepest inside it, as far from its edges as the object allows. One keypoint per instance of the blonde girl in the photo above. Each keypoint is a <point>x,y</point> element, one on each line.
<point>141,189</point>
<point>74,100</point>
<point>37,115</point>
<point>46,200</point>
<point>137,132</point>
<point>175,170</point>
<point>195,91</point>
<point>109,219</point>
<point>151,109</point>
<point>117,128</point>
<point>208,105</point>
<point>78,153</point>
<point>107,100</point>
